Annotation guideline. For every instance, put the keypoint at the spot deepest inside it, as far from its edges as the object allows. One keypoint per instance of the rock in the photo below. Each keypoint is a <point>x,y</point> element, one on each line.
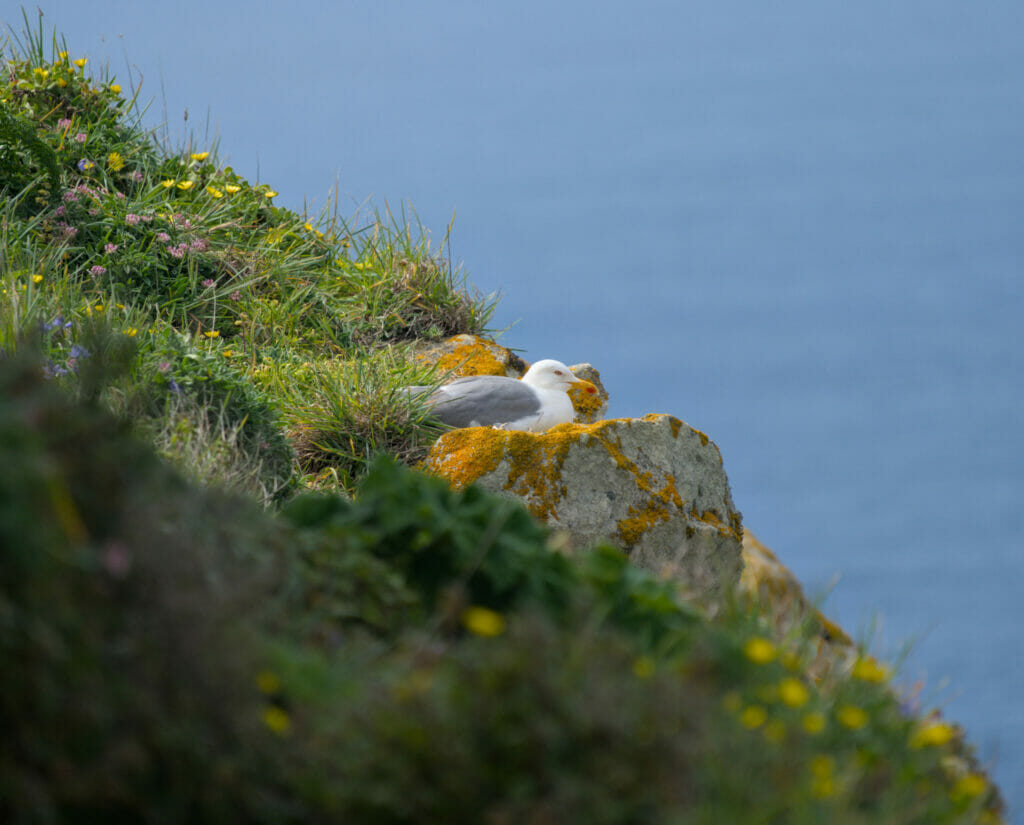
<point>653,486</point>
<point>767,582</point>
<point>472,355</point>
<point>589,407</point>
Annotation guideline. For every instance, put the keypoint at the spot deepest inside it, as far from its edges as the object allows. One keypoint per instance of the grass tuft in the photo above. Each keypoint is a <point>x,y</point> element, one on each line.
<point>342,414</point>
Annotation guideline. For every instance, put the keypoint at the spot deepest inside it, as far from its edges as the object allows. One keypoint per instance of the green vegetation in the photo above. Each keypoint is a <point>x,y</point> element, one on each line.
<point>222,599</point>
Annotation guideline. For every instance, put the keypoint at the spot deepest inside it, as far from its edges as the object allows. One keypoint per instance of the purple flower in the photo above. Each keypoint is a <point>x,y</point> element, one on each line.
<point>80,137</point>
<point>119,195</point>
<point>209,282</point>
<point>163,366</point>
<point>131,219</point>
<point>163,237</point>
<point>78,351</point>
<point>57,323</point>
<point>137,176</point>
<point>98,270</point>
<point>110,248</point>
<point>59,211</point>
<point>147,218</point>
<point>52,370</point>
<point>64,123</point>
<point>177,251</point>
<point>94,212</point>
<point>199,244</point>
<point>70,196</point>
<point>174,386</point>
<point>235,296</point>
<point>68,231</point>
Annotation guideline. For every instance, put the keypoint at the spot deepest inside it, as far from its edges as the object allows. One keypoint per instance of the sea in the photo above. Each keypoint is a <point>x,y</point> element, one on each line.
<point>797,226</point>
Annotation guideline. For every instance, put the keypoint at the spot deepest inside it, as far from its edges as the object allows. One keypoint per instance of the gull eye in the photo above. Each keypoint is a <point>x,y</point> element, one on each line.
<point>559,372</point>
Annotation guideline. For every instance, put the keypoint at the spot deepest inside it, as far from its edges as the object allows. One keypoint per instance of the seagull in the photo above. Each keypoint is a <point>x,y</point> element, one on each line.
<point>536,402</point>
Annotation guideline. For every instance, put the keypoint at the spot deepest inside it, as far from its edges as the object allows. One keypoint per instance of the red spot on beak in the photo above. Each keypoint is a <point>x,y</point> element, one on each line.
<point>591,390</point>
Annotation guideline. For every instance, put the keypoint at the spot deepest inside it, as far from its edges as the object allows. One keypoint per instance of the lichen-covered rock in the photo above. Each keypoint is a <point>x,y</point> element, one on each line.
<point>654,486</point>
<point>780,597</point>
<point>589,407</point>
<point>465,355</point>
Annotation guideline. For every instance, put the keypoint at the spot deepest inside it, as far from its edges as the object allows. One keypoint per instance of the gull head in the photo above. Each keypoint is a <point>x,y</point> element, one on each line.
<point>550,375</point>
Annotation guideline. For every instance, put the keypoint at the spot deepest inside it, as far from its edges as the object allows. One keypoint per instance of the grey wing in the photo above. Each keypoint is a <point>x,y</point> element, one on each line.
<point>484,400</point>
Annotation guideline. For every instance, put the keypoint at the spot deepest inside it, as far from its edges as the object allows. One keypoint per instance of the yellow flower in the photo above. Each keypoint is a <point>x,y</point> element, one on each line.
<point>119,306</point>
<point>307,226</point>
<point>277,719</point>
<point>115,88</point>
<point>968,787</point>
<point>41,74</point>
<point>643,667</point>
<point>793,693</point>
<point>186,184</point>
<point>270,193</point>
<point>852,717</point>
<point>115,161</point>
<point>98,307</point>
<point>868,670</point>
<point>932,733</point>
<point>230,188</point>
<point>62,55</point>
<point>214,192</point>
<point>814,722</point>
<point>227,353</point>
<point>81,62</point>
<point>37,279</point>
<point>213,333</point>
<point>753,717</point>
<point>268,682</point>
<point>199,155</point>
<point>759,650</point>
<point>131,332</point>
<point>483,621</point>
<point>823,783</point>
<point>61,82</point>
<point>167,184</point>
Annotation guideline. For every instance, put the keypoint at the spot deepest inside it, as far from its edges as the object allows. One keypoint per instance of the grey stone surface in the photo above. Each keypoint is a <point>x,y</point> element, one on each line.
<point>653,486</point>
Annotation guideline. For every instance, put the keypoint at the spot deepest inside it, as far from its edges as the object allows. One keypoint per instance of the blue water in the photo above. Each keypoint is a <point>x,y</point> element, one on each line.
<point>799,227</point>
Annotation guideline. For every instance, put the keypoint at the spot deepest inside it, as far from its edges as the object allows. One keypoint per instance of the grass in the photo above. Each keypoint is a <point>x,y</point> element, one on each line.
<point>98,217</point>
<point>182,363</point>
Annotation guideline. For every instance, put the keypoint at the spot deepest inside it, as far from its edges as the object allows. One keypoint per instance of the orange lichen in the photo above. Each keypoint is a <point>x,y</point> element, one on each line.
<point>535,467</point>
<point>586,399</point>
<point>473,358</point>
<point>462,456</point>
<point>658,508</point>
<point>733,529</point>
